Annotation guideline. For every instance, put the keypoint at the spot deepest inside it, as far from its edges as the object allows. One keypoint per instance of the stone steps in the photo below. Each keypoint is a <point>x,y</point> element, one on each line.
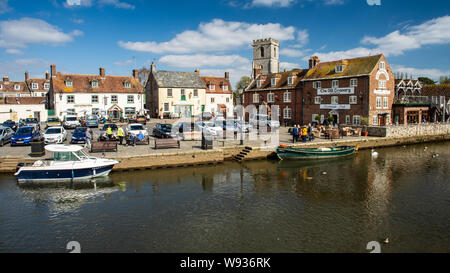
<point>242,155</point>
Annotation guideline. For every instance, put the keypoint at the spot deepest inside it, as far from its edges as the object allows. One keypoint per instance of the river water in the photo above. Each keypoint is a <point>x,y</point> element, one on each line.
<point>258,206</point>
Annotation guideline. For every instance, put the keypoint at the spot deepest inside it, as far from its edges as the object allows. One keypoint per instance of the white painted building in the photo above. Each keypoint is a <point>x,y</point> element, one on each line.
<point>22,108</point>
<point>115,97</point>
<point>219,95</point>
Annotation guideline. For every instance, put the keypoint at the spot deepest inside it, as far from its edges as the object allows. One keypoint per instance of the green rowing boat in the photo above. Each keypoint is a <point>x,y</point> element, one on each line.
<point>287,153</point>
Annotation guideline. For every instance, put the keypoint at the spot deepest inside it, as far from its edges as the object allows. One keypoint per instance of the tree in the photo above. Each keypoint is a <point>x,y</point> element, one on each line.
<point>242,82</point>
<point>444,80</point>
<point>143,75</point>
<point>426,80</point>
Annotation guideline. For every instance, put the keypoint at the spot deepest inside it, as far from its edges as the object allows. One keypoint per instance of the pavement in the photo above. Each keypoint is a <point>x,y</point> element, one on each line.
<point>273,139</point>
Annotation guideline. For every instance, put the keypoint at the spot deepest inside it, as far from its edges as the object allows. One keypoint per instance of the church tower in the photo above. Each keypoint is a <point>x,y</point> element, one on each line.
<point>265,57</point>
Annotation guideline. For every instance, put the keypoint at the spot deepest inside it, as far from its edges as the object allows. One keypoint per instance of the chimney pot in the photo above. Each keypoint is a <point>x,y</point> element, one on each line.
<point>47,75</point>
<point>26,76</point>
<point>227,75</point>
<point>197,71</point>
<point>313,61</point>
<point>136,74</point>
<point>6,79</point>
<point>102,71</point>
<point>153,67</point>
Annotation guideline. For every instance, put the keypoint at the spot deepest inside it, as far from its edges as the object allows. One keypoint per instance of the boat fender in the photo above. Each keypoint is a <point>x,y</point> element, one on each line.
<point>283,146</point>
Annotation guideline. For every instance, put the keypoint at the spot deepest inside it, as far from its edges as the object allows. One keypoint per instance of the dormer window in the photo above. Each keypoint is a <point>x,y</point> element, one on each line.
<point>34,85</point>
<point>258,83</point>
<point>212,87</point>
<point>94,84</point>
<point>46,86</point>
<point>273,81</point>
<point>16,87</point>
<point>69,83</point>
<point>127,84</point>
<point>225,87</point>
<point>339,68</point>
<point>291,80</point>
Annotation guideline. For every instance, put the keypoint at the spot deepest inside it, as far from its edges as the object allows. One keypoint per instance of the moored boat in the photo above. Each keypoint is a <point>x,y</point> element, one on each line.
<point>70,163</point>
<point>288,153</point>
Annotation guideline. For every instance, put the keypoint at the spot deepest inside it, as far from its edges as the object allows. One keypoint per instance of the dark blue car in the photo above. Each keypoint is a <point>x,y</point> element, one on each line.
<point>79,135</point>
<point>24,135</point>
<point>11,124</point>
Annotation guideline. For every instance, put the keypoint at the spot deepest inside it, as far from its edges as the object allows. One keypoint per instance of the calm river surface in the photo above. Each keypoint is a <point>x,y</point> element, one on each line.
<point>260,206</point>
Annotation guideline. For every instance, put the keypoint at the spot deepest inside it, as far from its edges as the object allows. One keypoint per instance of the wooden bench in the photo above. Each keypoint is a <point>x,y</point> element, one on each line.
<point>104,146</point>
<point>166,143</point>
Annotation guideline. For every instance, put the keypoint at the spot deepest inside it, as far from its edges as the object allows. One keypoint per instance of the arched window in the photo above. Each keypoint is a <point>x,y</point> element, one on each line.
<point>262,52</point>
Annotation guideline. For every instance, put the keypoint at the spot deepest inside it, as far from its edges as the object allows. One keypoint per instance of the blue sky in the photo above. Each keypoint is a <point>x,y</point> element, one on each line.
<point>79,36</point>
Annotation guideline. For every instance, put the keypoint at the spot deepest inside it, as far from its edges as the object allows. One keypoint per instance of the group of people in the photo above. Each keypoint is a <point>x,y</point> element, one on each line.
<point>121,135</point>
<point>305,132</point>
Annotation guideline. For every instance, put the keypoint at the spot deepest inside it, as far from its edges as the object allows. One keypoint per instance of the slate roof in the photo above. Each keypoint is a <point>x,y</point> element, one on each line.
<point>177,79</point>
<point>354,67</point>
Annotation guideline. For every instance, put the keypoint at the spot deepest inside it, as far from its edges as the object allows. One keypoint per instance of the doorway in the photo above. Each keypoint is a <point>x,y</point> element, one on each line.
<point>382,120</point>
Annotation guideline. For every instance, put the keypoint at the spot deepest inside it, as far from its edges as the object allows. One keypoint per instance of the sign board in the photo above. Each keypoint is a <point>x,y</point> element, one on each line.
<point>335,106</point>
<point>336,91</point>
<point>382,92</point>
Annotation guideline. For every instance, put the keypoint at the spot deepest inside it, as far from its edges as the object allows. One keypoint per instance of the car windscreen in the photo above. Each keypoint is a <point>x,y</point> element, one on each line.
<point>53,131</point>
<point>79,130</point>
<point>71,118</point>
<point>25,131</point>
<point>136,128</point>
<point>53,120</point>
<point>91,118</point>
<point>113,127</point>
<point>8,123</point>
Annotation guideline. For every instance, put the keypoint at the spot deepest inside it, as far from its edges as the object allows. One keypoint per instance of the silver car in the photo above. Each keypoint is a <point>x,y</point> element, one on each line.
<point>5,135</point>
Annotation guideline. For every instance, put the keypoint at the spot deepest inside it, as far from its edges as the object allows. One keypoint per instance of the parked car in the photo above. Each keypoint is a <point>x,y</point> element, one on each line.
<point>258,119</point>
<point>141,119</point>
<point>79,135</point>
<point>164,131</point>
<point>55,135</point>
<point>24,135</point>
<point>210,128</point>
<point>135,128</point>
<point>206,116</point>
<point>11,124</point>
<point>71,122</point>
<point>103,135</point>
<point>6,134</point>
<point>92,121</point>
<point>32,122</point>
<point>53,121</point>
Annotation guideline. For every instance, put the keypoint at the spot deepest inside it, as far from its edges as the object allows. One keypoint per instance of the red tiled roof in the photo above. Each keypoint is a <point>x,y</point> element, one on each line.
<point>24,100</point>
<point>9,87</point>
<point>40,83</point>
<point>219,83</point>
<point>282,79</point>
<point>106,84</point>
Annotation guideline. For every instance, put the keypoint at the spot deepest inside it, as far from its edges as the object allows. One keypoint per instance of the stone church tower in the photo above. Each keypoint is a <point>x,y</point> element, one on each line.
<point>265,57</point>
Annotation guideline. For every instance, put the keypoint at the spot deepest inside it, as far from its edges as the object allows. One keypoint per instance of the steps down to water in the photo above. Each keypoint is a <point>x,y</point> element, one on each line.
<point>241,156</point>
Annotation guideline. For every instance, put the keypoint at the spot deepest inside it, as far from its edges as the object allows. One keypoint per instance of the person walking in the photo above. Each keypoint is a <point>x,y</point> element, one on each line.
<point>121,135</point>
<point>309,132</point>
<point>304,133</point>
<point>88,138</point>
<point>109,132</point>
<point>294,134</point>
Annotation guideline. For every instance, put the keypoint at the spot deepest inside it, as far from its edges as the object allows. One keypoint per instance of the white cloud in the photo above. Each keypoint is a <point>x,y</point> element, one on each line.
<point>334,2</point>
<point>303,37</point>
<point>90,3</point>
<point>288,66</point>
<point>20,33</point>
<point>4,6</point>
<point>201,60</point>
<point>17,67</point>
<point>217,35</point>
<point>124,63</point>
<point>420,72</point>
<point>14,51</point>
<point>272,3</point>
<point>289,52</point>
<point>78,21</point>
<point>432,32</point>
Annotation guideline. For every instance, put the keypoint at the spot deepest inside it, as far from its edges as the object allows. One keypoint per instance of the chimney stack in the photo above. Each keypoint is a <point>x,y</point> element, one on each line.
<point>6,79</point>
<point>53,71</point>
<point>136,74</point>
<point>153,67</point>
<point>257,70</point>
<point>197,71</point>
<point>26,75</point>
<point>313,62</point>
<point>102,72</point>
<point>227,75</point>
<point>47,75</point>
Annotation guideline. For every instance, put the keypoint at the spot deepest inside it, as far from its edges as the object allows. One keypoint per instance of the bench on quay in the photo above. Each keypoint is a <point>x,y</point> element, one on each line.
<point>166,143</point>
<point>103,146</point>
<point>146,141</point>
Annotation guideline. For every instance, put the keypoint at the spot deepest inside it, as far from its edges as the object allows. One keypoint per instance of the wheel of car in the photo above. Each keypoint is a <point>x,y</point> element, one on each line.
<point>2,143</point>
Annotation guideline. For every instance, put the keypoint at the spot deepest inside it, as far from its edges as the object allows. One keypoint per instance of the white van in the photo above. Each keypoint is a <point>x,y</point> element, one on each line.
<point>71,122</point>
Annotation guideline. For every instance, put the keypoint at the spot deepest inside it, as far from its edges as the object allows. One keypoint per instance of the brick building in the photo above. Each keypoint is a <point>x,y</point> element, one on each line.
<point>346,90</point>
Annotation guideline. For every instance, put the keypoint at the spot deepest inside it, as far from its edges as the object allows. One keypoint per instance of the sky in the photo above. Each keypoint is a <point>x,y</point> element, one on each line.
<point>80,36</point>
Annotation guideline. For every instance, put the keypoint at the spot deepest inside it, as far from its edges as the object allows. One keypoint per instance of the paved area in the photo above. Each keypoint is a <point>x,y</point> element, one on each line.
<point>252,139</point>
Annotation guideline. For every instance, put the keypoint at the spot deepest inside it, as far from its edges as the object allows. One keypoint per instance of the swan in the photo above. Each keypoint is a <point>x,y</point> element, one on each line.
<point>374,154</point>
<point>386,241</point>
